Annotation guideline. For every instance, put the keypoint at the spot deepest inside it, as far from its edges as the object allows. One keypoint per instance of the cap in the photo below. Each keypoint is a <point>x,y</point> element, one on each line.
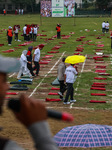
<point>30,48</point>
<point>9,64</point>
<point>10,27</point>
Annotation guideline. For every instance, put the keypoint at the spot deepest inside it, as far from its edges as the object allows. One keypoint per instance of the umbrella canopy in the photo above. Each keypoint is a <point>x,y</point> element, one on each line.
<point>85,136</point>
<point>75,59</point>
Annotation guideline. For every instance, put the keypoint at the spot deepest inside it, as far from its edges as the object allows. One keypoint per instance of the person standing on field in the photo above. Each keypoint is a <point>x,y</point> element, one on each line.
<point>9,35</point>
<point>103,26</point>
<point>61,71</point>
<point>58,28</point>
<point>70,77</point>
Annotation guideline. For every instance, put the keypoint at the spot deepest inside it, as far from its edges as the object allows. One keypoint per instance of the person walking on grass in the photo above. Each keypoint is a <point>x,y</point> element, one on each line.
<point>58,28</point>
<point>9,35</point>
<point>29,59</point>
<point>36,59</point>
<point>23,68</point>
<point>70,77</point>
<point>61,71</point>
<point>32,114</point>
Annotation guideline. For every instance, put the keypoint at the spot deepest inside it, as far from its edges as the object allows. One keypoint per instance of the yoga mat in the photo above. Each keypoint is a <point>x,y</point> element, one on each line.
<point>94,101</point>
<point>97,88</point>
<point>53,93</point>
<point>100,78</point>
<point>52,100</point>
<point>98,94</point>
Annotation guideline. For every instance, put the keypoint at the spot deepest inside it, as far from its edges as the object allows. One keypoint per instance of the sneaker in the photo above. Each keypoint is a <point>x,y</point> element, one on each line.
<point>72,101</point>
<point>66,103</point>
<point>59,93</point>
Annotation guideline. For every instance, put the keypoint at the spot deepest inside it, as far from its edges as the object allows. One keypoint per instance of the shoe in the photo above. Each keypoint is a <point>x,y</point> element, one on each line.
<point>59,93</point>
<point>66,103</point>
<point>72,101</point>
<point>9,44</point>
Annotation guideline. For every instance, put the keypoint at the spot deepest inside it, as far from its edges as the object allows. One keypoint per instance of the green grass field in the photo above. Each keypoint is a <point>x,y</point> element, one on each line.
<point>96,113</point>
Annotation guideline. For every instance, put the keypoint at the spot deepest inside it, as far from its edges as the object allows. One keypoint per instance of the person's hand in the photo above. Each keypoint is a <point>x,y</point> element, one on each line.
<point>31,111</point>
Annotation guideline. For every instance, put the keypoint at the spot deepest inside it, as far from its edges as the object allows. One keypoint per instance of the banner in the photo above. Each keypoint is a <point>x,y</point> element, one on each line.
<point>57,8</point>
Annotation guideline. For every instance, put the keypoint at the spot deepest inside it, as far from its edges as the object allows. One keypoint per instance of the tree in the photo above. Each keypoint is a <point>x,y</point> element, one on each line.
<point>102,4</point>
<point>31,3</point>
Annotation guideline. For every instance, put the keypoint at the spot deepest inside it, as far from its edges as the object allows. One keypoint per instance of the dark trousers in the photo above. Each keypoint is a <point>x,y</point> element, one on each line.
<point>29,66</point>
<point>62,87</point>
<point>30,36</point>
<point>16,36</point>
<point>34,37</point>
<point>24,37</point>
<point>103,30</point>
<point>9,40</point>
<point>70,92</point>
<point>37,67</point>
<point>58,35</point>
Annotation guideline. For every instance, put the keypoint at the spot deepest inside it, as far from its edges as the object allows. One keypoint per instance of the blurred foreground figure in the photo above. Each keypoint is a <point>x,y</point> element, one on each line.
<point>32,115</point>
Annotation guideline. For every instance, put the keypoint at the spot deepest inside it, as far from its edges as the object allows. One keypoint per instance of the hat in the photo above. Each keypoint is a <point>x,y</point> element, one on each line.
<point>10,27</point>
<point>9,64</point>
<point>30,48</point>
<point>24,52</point>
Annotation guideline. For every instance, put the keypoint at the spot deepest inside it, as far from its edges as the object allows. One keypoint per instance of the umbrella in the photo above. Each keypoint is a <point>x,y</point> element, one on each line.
<point>75,59</point>
<point>85,136</point>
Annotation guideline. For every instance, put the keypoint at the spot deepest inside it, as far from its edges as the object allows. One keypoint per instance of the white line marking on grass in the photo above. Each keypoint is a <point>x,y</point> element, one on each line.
<point>79,77</point>
<point>78,108</point>
<point>11,75</point>
<point>46,75</point>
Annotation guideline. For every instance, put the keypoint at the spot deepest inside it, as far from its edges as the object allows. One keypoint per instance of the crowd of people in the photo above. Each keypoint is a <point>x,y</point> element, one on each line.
<point>29,33</point>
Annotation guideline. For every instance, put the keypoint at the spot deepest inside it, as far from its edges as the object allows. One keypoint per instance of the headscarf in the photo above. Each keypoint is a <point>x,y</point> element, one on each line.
<point>24,52</point>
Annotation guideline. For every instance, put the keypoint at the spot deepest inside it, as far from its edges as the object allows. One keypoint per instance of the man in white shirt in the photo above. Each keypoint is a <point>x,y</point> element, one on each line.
<point>70,77</point>
<point>24,31</point>
<point>103,26</point>
<point>36,59</point>
<point>107,26</point>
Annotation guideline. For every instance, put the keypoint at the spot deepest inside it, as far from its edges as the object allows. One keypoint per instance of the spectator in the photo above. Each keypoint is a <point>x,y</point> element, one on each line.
<point>107,27</point>
<point>22,11</point>
<point>24,32</point>
<point>19,11</point>
<point>16,30</point>
<point>4,11</point>
<point>32,115</point>
<point>61,71</point>
<point>9,35</point>
<point>103,26</point>
<point>70,77</point>
<point>35,29</point>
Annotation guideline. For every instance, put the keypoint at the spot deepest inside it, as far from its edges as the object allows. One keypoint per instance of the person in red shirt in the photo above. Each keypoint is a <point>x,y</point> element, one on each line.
<point>9,35</point>
<point>58,28</point>
<point>4,11</point>
<point>27,33</point>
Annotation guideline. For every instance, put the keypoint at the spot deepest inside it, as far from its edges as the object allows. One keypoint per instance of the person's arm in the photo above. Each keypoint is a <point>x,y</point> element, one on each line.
<point>33,115</point>
<point>33,57</point>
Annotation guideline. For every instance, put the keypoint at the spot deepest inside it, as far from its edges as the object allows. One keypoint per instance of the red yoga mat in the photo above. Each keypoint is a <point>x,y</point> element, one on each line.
<point>96,83</point>
<point>100,78</point>
<point>100,86</point>
<point>101,71</point>
<point>53,93</point>
<point>62,42</point>
<point>94,101</point>
<point>52,100</point>
<point>97,88</point>
<point>100,66</point>
<point>53,88</point>
<point>12,93</point>
<point>53,52</point>
<point>98,94</point>
<point>43,62</point>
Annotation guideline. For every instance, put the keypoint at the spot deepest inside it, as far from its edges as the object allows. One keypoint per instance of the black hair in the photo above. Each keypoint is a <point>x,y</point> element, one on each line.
<point>63,59</point>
